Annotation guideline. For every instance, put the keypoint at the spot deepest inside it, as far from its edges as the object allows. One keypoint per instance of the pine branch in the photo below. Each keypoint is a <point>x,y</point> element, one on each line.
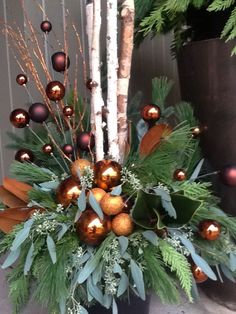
<point>44,199</point>
<point>220,5</point>
<point>161,87</point>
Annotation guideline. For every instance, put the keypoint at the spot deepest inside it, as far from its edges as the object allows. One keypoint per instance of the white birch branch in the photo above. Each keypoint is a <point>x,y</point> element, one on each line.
<point>96,94</point>
<point>112,65</point>
<point>126,49</point>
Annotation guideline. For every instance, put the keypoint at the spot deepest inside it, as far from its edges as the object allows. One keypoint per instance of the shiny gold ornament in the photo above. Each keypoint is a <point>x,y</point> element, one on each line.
<point>198,274</point>
<point>112,204</point>
<point>196,131</point>
<point>122,224</point>
<point>19,118</point>
<point>209,229</point>
<point>179,175</point>
<point>98,194</point>
<point>68,191</point>
<point>78,166</point>
<point>55,90</point>
<point>21,79</point>
<point>107,174</point>
<point>91,229</point>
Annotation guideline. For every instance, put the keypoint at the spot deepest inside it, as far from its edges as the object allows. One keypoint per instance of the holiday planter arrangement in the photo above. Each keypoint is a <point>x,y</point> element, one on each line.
<point>105,212</point>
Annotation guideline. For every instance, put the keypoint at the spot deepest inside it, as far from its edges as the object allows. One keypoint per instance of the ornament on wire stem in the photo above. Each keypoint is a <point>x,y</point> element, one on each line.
<point>19,118</point>
<point>21,79</point>
<point>60,61</point>
<point>78,166</point>
<point>228,175</point>
<point>85,141</point>
<point>38,112</point>
<point>196,132</point>
<point>112,204</point>
<point>68,111</point>
<point>24,155</point>
<point>90,84</point>
<point>91,229</point>
<point>198,274</point>
<point>68,149</point>
<point>209,229</point>
<point>68,191</point>
<point>47,148</point>
<point>55,90</point>
<point>122,224</point>
<point>180,175</point>
<point>107,174</point>
<point>151,114</point>
<point>46,27</point>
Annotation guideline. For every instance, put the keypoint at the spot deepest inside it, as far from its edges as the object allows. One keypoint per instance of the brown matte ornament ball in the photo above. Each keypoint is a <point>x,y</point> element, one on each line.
<point>209,229</point>
<point>228,175</point>
<point>98,194</point>
<point>55,90</point>
<point>85,141</point>
<point>60,62</point>
<point>91,229</point>
<point>112,204</point>
<point>38,112</point>
<point>198,274</point>
<point>47,149</point>
<point>46,26</point>
<point>19,118</point>
<point>21,79</point>
<point>24,155</point>
<point>151,113</point>
<point>122,224</point>
<point>78,166</point>
<point>68,111</point>
<point>68,191</point>
<point>180,175</point>
<point>107,174</point>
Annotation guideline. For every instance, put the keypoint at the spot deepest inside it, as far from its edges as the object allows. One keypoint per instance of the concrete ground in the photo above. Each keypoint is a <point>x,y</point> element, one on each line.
<point>204,306</point>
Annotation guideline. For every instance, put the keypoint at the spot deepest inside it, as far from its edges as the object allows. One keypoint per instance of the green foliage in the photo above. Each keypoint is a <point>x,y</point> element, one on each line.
<point>179,264</point>
<point>44,199</point>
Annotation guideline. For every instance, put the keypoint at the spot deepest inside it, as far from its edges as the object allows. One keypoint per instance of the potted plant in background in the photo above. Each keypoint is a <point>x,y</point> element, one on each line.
<point>204,44</point>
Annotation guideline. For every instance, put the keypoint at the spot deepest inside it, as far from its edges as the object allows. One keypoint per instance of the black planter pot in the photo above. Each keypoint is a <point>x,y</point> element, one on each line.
<point>207,74</point>
<point>136,306</point>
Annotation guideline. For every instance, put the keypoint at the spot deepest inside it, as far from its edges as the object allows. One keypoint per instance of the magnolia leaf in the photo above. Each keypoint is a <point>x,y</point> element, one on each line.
<point>124,243</point>
<point>151,236</point>
<point>52,249</point>
<point>232,261</point>
<point>137,276</point>
<point>29,259</point>
<point>116,190</point>
<point>200,262</point>
<point>22,235</point>
<point>197,170</point>
<point>114,307</point>
<point>82,201</point>
<point>123,284</point>
<point>94,291</point>
<point>95,205</point>
<point>228,274</point>
<point>63,230</point>
<point>117,269</point>
<point>11,258</point>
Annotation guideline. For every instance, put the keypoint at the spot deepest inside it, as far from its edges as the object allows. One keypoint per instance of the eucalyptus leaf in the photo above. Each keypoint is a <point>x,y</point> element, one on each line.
<point>117,269</point>
<point>94,291</point>
<point>87,270</point>
<point>97,274</point>
<point>52,249</point>
<point>166,201</point>
<point>228,274</point>
<point>64,229</point>
<point>141,128</point>
<point>83,310</point>
<point>151,236</point>
<point>11,258</point>
<point>77,215</point>
<point>114,307</point>
<point>107,301</point>
<point>29,259</point>
<point>82,201</point>
<point>50,185</point>
<point>137,276</point>
<point>187,243</point>
<point>200,262</point>
<point>22,235</point>
<point>197,170</point>
<point>116,190</point>
<point>62,306</point>
<point>95,205</point>
<point>232,261</point>
<point>124,243</point>
<point>123,284</point>
<point>194,291</point>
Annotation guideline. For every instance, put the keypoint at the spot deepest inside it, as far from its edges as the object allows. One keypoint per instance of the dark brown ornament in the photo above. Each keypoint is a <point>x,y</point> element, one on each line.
<point>24,155</point>
<point>68,111</point>
<point>47,149</point>
<point>196,131</point>
<point>21,79</point>
<point>60,62</point>
<point>68,149</point>
<point>180,175</point>
<point>107,174</point>
<point>91,229</point>
<point>90,84</point>
<point>68,191</point>
<point>198,274</point>
<point>46,26</point>
<point>55,90</point>
<point>122,224</point>
<point>151,113</point>
<point>38,112</point>
<point>85,141</point>
<point>228,175</point>
<point>19,118</point>
<point>78,166</point>
<point>162,233</point>
<point>209,229</point>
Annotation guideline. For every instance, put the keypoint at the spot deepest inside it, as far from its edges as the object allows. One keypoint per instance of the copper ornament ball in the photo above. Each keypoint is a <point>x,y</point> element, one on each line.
<point>19,118</point>
<point>107,174</point>
<point>228,175</point>
<point>91,229</point>
<point>24,155</point>
<point>180,175</point>
<point>78,167</point>
<point>68,191</point>
<point>90,84</point>
<point>112,204</point>
<point>151,113</point>
<point>60,61</point>
<point>21,79</point>
<point>47,149</point>
<point>122,224</point>
<point>46,26</point>
<point>68,111</point>
<point>85,141</point>
<point>98,194</point>
<point>38,112</point>
<point>55,90</point>
<point>198,274</point>
<point>209,229</point>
